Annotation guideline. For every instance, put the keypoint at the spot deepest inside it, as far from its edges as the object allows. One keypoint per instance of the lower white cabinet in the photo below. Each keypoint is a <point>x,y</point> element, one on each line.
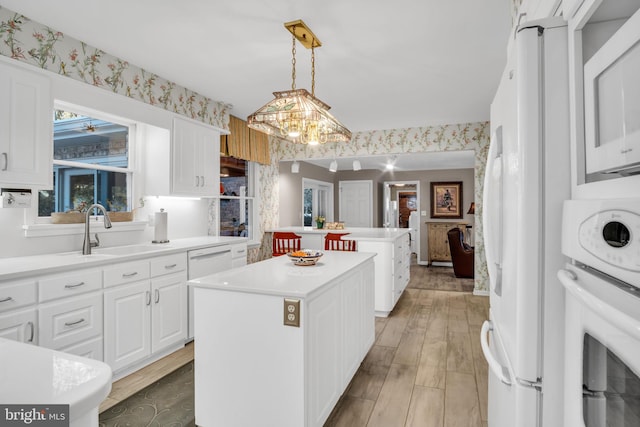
<point>168,311</point>
<point>288,376</point>
<point>127,324</point>
<point>21,325</point>
<point>144,317</point>
<point>70,321</point>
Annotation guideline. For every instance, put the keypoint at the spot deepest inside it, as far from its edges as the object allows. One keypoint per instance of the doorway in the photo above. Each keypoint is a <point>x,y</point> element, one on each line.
<point>401,209</point>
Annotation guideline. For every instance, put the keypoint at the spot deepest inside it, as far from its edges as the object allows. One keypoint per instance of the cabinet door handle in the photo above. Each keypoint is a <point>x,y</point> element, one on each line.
<point>33,331</point>
<point>127,275</point>
<point>197,181</point>
<point>148,297</point>
<point>7,299</point>
<point>170,266</point>
<point>157,292</point>
<point>77,322</point>
<point>74,286</point>
<point>5,158</point>
<point>202,185</point>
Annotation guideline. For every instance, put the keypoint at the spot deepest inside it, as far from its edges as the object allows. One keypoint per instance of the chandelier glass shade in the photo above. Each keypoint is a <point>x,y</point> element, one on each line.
<point>297,115</point>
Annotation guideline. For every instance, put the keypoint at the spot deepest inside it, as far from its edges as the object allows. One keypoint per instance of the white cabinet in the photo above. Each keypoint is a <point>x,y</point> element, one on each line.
<point>401,266</point>
<point>169,311</point>
<point>26,120</point>
<point>191,155</point>
<point>145,307</point>
<point>238,255</point>
<point>20,325</point>
<point>127,324</point>
<point>70,321</point>
<point>70,313</point>
<point>303,370</point>
<point>18,313</point>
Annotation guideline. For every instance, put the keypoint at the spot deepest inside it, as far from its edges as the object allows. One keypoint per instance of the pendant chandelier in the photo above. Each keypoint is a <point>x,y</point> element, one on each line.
<point>296,114</point>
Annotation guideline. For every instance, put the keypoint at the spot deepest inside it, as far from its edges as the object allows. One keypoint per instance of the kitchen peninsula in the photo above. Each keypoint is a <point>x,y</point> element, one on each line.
<point>392,263</point>
<point>280,339</point>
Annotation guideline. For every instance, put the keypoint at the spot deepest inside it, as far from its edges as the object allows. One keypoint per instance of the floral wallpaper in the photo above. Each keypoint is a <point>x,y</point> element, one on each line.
<point>453,137</point>
<point>36,44</point>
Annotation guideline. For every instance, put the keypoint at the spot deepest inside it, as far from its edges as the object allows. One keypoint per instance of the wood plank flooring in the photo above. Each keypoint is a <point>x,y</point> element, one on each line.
<point>425,368</point>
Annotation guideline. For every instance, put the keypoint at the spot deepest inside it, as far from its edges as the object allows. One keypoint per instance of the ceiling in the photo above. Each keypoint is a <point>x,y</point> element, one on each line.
<point>382,65</point>
<point>406,162</point>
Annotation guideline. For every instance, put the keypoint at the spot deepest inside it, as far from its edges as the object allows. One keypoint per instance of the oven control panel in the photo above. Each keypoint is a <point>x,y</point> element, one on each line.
<point>613,236</point>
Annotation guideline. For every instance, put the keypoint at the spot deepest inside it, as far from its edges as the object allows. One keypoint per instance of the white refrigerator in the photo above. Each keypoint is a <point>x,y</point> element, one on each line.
<point>527,178</point>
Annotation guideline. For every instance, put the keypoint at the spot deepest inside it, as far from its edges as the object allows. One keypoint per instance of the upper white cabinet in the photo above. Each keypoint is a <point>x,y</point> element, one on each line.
<point>184,162</point>
<point>26,115</point>
<point>195,158</point>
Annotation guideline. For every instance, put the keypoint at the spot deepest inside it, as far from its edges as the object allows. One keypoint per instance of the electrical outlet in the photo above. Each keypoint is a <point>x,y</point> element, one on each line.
<point>292,312</point>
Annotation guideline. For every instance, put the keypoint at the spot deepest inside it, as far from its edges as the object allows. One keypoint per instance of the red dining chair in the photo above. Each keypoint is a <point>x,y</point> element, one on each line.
<point>285,242</point>
<point>335,242</point>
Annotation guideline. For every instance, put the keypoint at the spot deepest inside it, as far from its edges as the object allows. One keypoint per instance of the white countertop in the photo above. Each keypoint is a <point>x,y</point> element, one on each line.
<point>279,276</point>
<point>17,267</point>
<point>38,375</point>
<point>355,233</point>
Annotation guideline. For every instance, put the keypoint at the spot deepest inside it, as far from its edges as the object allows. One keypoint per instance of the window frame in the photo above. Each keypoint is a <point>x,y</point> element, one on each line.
<point>251,197</point>
<point>131,150</point>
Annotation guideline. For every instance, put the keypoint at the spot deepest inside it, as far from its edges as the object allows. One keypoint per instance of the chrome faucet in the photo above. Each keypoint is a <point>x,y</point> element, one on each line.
<point>88,243</point>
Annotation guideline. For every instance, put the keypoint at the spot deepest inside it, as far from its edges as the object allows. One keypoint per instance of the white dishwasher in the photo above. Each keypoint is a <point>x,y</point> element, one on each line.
<point>203,262</point>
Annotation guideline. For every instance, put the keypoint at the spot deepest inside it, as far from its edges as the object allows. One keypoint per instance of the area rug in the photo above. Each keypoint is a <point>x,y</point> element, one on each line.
<point>167,402</point>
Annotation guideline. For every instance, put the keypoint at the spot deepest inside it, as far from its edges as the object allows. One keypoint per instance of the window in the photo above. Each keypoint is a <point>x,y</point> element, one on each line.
<point>90,164</point>
<point>237,197</point>
<point>317,200</point>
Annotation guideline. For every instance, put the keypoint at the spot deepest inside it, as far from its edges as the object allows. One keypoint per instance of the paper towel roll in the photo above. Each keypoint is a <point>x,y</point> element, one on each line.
<point>160,232</point>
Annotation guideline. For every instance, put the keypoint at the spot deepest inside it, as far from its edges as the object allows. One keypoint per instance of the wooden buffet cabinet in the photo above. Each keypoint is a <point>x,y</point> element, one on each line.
<point>438,243</point>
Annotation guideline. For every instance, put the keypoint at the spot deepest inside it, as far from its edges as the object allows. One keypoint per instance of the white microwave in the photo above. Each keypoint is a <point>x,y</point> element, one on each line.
<point>612,103</point>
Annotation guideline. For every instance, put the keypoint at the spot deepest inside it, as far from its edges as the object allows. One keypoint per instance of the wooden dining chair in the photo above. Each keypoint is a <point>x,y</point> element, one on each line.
<point>285,242</point>
<point>335,242</point>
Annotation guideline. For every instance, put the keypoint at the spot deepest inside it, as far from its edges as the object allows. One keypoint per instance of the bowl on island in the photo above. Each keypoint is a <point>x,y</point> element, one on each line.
<point>305,257</point>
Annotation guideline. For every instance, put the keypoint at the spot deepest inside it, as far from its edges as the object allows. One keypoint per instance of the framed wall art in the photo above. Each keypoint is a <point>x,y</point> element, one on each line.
<point>446,199</point>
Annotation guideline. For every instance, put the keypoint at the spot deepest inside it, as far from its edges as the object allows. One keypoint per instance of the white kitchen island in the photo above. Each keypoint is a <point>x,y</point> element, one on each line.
<point>392,263</point>
<point>251,368</point>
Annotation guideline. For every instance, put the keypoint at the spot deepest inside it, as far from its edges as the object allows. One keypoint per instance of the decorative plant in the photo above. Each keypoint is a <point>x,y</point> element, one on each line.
<point>320,218</point>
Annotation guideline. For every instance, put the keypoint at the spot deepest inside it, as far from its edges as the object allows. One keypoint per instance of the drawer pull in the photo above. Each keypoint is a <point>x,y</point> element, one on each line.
<point>33,331</point>
<point>170,266</point>
<point>242,251</point>
<point>127,275</point>
<point>74,286</point>
<point>77,322</point>
<point>7,299</point>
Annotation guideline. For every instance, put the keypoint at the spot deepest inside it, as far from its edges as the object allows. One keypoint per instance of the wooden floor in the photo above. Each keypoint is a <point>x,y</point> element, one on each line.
<point>425,368</point>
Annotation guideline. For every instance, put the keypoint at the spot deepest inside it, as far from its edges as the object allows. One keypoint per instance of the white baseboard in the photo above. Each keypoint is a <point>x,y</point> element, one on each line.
<point>481,293</point>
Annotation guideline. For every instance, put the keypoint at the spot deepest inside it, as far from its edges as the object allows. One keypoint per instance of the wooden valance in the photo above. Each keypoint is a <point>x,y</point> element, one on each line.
<point>244,143</point>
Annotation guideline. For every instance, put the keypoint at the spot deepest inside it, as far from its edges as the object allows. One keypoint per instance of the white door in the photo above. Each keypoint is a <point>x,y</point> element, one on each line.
<point>356,203</point>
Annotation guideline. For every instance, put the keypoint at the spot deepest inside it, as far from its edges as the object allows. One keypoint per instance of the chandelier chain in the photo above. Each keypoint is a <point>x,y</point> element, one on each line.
<point>293,63</point>
<point>313,71</point>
